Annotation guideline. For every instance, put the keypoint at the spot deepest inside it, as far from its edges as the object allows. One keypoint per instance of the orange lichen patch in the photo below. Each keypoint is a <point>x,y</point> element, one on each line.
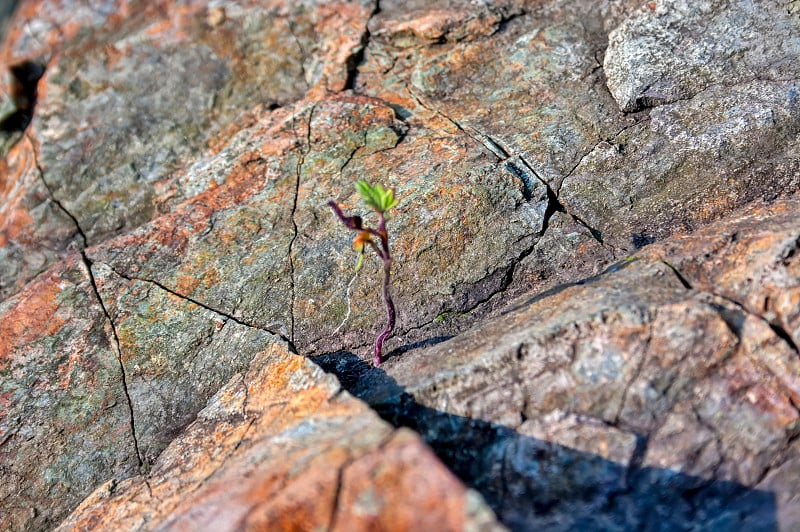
<point>281,449</point>
<point>434,25</point>
<point>57,22</point>
<point>367,502</point>
<point>711,206</point>
<point>34,312</point>
<point>17,179</point>
<point>209,277</point>
<point>343,25</point>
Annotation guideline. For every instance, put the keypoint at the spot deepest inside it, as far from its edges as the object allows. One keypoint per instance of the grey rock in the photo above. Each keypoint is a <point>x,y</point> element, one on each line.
<point>673,50</point>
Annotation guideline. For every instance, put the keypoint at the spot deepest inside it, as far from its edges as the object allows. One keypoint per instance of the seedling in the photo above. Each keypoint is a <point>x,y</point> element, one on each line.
<point>379,200</point>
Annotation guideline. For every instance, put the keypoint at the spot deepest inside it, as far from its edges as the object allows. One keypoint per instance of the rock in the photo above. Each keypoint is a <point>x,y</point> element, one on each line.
<point>176,354</point>
<point>291,450</point>
<point>673,50</point>
<point>65,419</point>
<point>287,264</point>
<point>751,261</point>
<point>34,231</point>
<point>163,192</point>
<point>538,89</point>
<point>115,119</point>
<point>636,385</point>
<point>696,159</point>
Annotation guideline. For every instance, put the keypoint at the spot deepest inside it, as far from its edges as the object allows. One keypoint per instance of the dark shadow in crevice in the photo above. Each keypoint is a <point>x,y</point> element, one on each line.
<point>397,351</point>
<point>640,240</point>
<point>533,484</point>
<point>24,82</point>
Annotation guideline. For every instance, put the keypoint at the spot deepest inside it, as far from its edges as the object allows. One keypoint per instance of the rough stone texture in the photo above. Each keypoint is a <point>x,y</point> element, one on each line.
<point>256,242</point>
<point>176,354</point>
<point>64,414</point>
<point>34,230</point>
<point>292,451</point>
<point>672,50</point>
<point>115,118</point>
<point>642,398</point>
<point>537,89</point>
<point>752,261</point>
<point>181,155</point>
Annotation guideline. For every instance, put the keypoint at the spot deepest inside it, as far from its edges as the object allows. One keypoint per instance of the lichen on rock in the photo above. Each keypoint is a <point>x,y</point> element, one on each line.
<point>594,264</point>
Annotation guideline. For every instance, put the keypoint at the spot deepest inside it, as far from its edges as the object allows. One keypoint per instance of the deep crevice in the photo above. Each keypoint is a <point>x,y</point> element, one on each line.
<point>781,333</point>
<point>354,60</point>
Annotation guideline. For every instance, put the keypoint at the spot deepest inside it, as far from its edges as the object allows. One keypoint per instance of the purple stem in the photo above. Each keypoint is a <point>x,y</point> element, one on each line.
<point>387,296</point>
<point>355,223</point>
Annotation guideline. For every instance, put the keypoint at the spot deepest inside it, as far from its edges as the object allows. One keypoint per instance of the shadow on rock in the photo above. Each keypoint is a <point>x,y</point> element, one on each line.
<point>534,484</point>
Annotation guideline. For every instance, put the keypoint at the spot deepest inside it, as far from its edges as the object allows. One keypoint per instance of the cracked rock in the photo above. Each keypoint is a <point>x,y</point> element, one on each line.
<point>65,423</point>
<point>175,353</point>
<point>164,223</point>
<point>653,388</point>
<point>34,231</point>
<point>291,450</point>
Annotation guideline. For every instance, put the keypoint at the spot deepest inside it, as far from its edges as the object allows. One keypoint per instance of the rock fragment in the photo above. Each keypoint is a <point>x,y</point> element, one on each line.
<point>290,450</point>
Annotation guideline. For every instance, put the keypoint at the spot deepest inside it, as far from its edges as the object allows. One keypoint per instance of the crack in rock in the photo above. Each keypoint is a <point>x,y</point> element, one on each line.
<point>356,57</point>
<point>298,170</point>
<point>776,328</point>
<point>227,316</point>
<point>88,265</point>
<point>507,155</point>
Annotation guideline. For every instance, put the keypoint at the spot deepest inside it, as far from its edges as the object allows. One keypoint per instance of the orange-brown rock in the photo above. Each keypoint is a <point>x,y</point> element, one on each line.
<point>283,447</point>
<point>164,186</point>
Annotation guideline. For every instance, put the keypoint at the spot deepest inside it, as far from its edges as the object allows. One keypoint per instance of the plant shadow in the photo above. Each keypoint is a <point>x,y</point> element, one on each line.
<point>532,484</point>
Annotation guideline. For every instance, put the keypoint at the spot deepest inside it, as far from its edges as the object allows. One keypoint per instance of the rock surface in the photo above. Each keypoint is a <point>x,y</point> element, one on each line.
<point>163,217</point>
<point>650,397</point>
<point>65,420</point>
<point>292,451</point>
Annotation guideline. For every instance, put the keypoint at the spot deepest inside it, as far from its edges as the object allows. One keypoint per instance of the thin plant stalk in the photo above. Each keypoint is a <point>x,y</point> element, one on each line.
<point>380,200</point>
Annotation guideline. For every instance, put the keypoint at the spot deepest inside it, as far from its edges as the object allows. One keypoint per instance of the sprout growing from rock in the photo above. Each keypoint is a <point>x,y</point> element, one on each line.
<point>379,200</point>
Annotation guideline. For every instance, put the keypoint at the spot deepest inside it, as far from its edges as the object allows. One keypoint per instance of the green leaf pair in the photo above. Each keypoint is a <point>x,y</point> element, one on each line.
<point>376,197</point>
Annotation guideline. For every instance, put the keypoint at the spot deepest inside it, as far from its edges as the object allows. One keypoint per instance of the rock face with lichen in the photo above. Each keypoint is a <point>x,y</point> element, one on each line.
<point>596,265</point>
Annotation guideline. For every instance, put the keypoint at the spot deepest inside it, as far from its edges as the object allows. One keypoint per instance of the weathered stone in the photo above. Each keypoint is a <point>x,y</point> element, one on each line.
<point>291,450</point>
<point>191,149</point>
<point>176,354</point>
<point>692,162</point>
<point>537,89</point>
<point>34,230</point>
<point>674,49</point>
<point>260,243</point>
<point>65,418</point>
<point>752,261</point>
<point>648,383</point>
<point>116,120</point>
